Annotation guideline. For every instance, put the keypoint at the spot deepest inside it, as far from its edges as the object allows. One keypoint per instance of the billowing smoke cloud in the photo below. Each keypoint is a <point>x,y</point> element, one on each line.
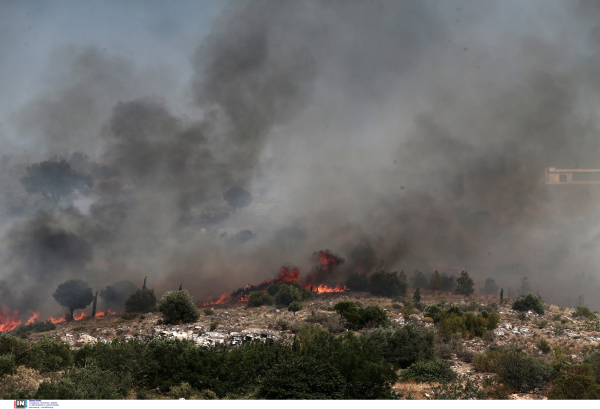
<point>403,135</point>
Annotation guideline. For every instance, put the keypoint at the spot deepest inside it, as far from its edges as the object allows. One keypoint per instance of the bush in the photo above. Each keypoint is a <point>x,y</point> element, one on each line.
<point>214,325</point>
<point>387,284</point>
<point>402,346</point>
<point>7,365</point>
<point>305,294</point>
<point>209,311</point>
<point>49,355</point>
<point>258,298</point>
<point>350,313</point>
<point>436,370</point>
<point>373,316</point>
<point>295,307</point>
<point>40,326</point>
<point>357,282</point>
<point>593,360</point>
<point>521,371</point>
<point>302,377</point>
<point>486,362</point>
<point>544,346</point>
<point>184,390</point>
<point>25,379</point>
<point>432,311</point>
<point>329,322</point>
<point>88,384</point>
<point>358,317</point>
<point>287,294</point>
<point>584,312</point>
<point>143,300</point>
<point>528,302</point>
<point>462,388</point>
<point>574,386</point>
<point>178,306</point>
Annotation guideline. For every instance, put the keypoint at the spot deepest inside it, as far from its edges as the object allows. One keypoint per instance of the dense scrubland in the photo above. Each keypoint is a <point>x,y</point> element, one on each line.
<point>353,345</point>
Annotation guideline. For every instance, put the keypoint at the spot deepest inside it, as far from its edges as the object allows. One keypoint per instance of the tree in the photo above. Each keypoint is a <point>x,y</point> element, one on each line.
<point>94,304</point>
<point>436,281</point>
<point>237,197</point>
<point>490,287</point>
<point>74,295</point>
<point>417,295</point>
<point>386,284</point>
<point>501,295</point>
<point>464,284</point>
<point>287,294</point>
<point>294,307</point>
<point>141,301</point>
<point>357,282</point>
<point>178,306</point>
<point>258,298</point>
<point>55,180</point>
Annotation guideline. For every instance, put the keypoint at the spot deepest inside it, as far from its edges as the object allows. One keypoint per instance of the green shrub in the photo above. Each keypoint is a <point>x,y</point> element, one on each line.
<point>302,377</point>
<point>143,300</point>
<point>486,362</point>
<point>40,326</point>
<point>214,325</point>
<point>357,282</point>
<point>402,346</point>
<point>574,386</point>
<point>584,312</point>
<point>544,346</point>
<point>436,370</point>
<point>432,311</point>
<point>357,317</point>
<point>7,365</point>
<point>329,322</point>
<point>178,306</point>
<point>209,311</point>
<point>528,302</point>
<point>350,313</point>
<point>462,388</point>
<point>287,294</point>
<point>387,284</point>
<point>295,307</point>
<point>373,316</point>
<point>273,289</point>
<point>48,355</point>
<point>521,371</point>
<point>593,360</point>
<point>88,384</point>
<point>258,298</point>
<point>417,295</point>
<point>184,390</point>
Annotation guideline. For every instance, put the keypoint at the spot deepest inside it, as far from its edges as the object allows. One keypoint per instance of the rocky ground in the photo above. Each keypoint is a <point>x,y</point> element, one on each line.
<point>236,323</point>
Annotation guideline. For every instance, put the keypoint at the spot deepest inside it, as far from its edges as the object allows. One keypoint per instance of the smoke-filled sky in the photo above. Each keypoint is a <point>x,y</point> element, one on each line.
<point>404,135</point>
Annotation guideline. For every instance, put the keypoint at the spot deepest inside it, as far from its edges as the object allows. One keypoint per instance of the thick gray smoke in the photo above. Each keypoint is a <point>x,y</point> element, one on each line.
<point>408,135</point>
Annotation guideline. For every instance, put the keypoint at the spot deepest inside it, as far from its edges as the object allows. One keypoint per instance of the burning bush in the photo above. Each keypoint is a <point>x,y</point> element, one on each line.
<point>528,302</point>
<point>143,300</point>
<point>178,306</point>
<point>258,298</point>
<point>387,284</point>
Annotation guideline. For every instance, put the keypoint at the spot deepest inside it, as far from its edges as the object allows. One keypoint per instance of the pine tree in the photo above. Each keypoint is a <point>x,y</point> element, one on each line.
<point>436,282</point>
<point>501,295</point>
<point>417,295</point>
<point>464,284</point>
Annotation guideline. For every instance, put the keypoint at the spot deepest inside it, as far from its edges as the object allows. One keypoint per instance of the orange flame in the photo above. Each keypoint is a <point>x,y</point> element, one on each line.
<point>35,316</point>
<point>322,288</point>
<point>105,313</point>
<point>9,320</point>
<point>223,299</point>
<point>80,317</point>
<point>57,320</point>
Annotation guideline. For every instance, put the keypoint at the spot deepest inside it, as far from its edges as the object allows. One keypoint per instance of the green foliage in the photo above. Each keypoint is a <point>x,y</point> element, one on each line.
<point>357,282</point>
<point>7,365</point>
<point>462,388</point>
<point>387,284</point>
<point>486,362</point>
<point>258,298</point>
<point>402,346</point>
<point>528,302</point>
<point>214,325</point>
<point>142,300</point>
<point>584,312</point>
<point>417,295</point>
<point>17,348</point>
<point>330,322</point>
<point>88,384</point>
<point>436,370</point>
<point>40,326</point>
<point>49,355</point>
<point>357,317</point>
<point>178,306</point>
<point>544,346</point>
<point>209,311</point>
<point>593,360</point>
<point>295,307</point>
<point>302,377</point>
<point>574,386</point>
<point>367,375</point>
<point>432,311</point>
<point>287,294</point>
<point>74,295</point>
<point>521,371</point>
<point>464,284</point>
